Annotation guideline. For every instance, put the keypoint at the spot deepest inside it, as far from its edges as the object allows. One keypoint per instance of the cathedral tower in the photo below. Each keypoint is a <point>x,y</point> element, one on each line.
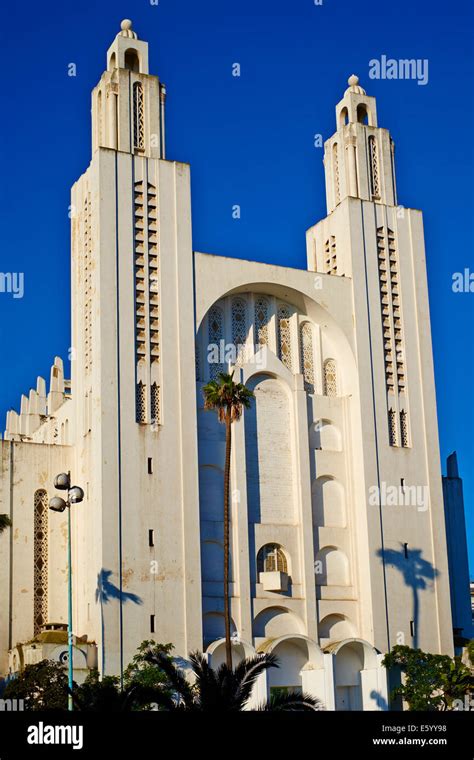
<point>379,245</point>
<point>133,354</point>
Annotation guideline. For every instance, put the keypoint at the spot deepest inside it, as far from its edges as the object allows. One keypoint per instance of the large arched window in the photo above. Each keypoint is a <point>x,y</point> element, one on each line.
<point>271,558</point>
<point>284,336</point>
<point>330,378</point>
<point>40,560</point>
<point>306,356</point>
<point>138,117</point>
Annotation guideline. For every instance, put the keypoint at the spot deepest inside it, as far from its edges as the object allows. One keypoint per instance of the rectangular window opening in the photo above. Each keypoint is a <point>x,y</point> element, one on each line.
<point>151,537</point>
<point>152,624</point>
<point>150,466</point>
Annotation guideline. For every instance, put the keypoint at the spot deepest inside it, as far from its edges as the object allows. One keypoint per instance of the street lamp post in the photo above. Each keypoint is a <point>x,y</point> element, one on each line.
<point>75,495</point>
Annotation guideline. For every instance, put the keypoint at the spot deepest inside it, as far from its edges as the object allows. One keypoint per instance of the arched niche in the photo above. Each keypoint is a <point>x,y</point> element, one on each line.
<point>273,622</point>
<point>362,114</point>
<point>351,657</point>
<point>328,500</point>
<point>132,60</point>
<point>334,567</point>
<point>269,452</point>
<point>335,628</point>
<point>343,117</point>
<point>324,435</point>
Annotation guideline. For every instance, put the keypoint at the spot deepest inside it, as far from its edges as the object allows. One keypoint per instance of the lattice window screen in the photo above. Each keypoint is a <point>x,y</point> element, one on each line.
<point>404,428</point>
<point>392,428</point>
<point>155,404</point>
<point>138,117</point>
<point>284,336</point>
<point>330,256</point>
<point>87,233</point>
<point>141,402</point>
<point>374,167</point>
<point>306,356</point>
<point>239,327</point>
<point>330,378</point>
<point>335,159</point>
<point>40,559</point>
<point>216,335</point>
<point>261,321</point>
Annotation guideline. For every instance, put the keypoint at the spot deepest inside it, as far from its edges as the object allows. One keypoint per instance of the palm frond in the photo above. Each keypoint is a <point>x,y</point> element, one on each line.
<point>291,701</point>
<point>176,677</point>
<point>247,672</point>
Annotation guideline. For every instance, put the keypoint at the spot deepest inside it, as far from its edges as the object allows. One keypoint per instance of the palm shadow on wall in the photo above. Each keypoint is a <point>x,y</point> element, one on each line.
<point>417,572</point>
<point>106,592</point>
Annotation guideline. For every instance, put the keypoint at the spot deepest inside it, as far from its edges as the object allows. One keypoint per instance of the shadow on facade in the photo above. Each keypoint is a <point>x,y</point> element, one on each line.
<point>106,592</point>
<point>417,572</point>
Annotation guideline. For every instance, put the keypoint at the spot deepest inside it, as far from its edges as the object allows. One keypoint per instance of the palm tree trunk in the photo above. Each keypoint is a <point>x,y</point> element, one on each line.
<point>228,646</point>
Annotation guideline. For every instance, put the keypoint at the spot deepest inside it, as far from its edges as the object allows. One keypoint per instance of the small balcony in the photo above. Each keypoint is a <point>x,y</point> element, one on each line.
<point>274,580</point>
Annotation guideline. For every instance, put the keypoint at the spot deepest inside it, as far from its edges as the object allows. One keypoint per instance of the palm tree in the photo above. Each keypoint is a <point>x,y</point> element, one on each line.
<point>228,398</point>
<point>224,689</point>
<point>5,522</point>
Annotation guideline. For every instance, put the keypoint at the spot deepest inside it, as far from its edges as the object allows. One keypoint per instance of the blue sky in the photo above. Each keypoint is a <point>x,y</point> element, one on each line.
<point>249,141</point>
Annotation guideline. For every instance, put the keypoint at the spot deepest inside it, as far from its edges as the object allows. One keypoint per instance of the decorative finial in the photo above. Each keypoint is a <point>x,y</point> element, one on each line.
<point>126,29</point>
<point>354,85</point>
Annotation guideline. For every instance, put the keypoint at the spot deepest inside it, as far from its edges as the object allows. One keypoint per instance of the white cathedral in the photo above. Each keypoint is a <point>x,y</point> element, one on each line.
<point>323,573</point>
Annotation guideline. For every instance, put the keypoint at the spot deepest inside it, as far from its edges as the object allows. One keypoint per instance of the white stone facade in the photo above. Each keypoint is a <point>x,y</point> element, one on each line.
<point>340,360</point>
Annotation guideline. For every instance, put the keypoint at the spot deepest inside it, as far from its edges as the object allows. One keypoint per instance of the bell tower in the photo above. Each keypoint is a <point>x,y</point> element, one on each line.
<point>368,238</point>
<point>359,157</point>
<point>128,102</point>
<point>133,341</point>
